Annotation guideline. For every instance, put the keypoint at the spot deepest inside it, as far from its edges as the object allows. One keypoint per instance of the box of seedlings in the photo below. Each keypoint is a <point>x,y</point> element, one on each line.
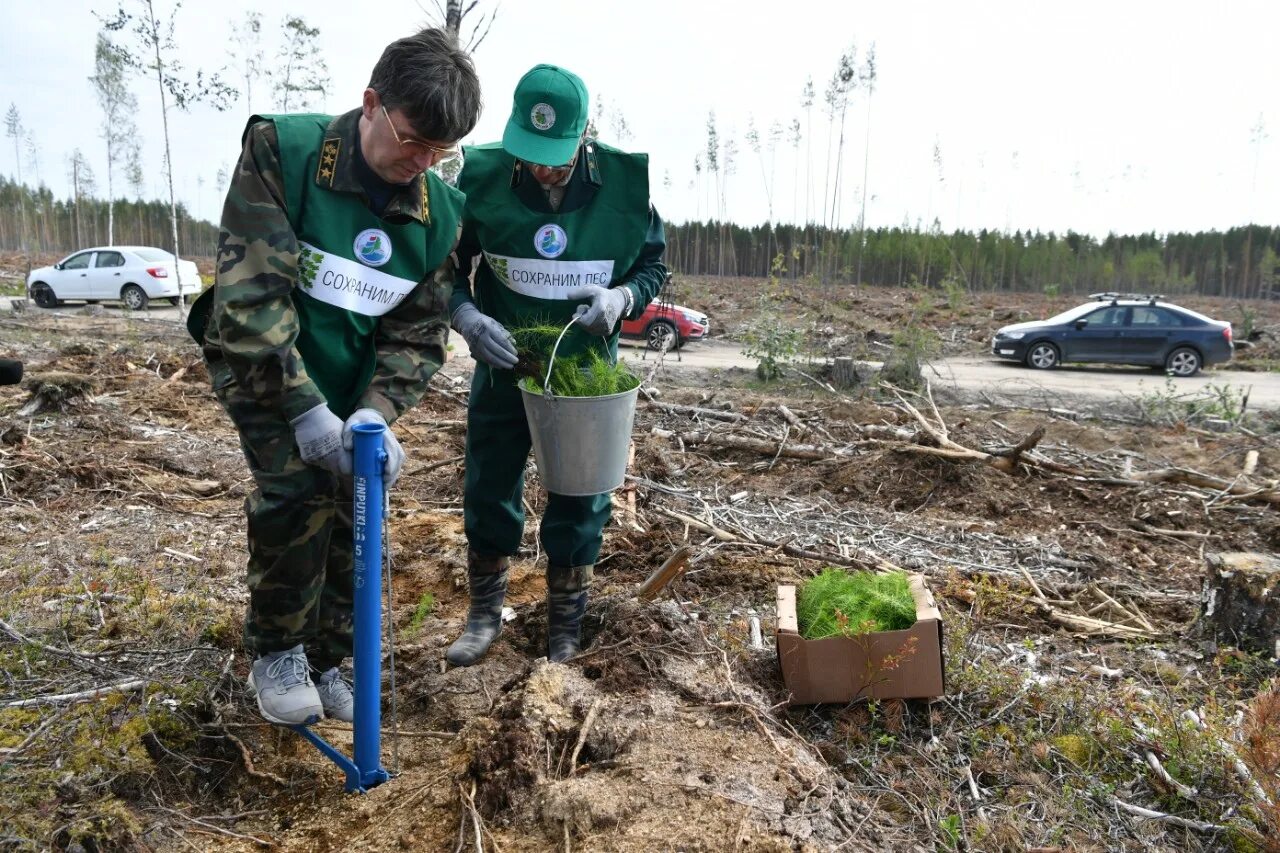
<point>847,635</point>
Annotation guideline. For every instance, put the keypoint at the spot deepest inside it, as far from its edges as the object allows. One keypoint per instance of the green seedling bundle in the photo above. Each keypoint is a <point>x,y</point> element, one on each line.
<point>585,374</point>
<point>837,602</point>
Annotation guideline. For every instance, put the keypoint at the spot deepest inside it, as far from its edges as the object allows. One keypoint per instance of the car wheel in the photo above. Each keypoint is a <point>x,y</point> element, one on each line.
<point>134,297</point>
<point>1042,356</point>
<point>662,334</point>
<point>1183,361</point>
<point>43,295</point>
<point>175,300</point>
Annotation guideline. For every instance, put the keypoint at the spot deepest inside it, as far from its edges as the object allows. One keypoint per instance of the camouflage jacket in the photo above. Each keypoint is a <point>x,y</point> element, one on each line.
<point>253,324</point>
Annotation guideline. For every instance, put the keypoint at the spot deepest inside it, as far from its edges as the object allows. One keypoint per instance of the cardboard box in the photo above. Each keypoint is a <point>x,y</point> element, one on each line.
<point>903,664</point>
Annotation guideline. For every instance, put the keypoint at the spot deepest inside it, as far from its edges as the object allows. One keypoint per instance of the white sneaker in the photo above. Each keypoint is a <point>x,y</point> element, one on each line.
<point>335,695</point>
<point>282,682</point>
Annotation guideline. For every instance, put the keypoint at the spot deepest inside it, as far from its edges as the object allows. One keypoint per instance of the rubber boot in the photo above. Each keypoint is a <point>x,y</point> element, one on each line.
<point>566,604</point>
<point>487,578</point>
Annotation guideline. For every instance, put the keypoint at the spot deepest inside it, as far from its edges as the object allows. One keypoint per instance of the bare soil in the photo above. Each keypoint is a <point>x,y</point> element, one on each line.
<point>861,322</point>
<point>122,546</point>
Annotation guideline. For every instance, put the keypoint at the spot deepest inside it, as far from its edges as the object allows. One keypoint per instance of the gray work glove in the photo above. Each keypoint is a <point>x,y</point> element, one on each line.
<point>486,338</point>
<point>607,305</point>
<point>318,432</point>
<point>395,453</point>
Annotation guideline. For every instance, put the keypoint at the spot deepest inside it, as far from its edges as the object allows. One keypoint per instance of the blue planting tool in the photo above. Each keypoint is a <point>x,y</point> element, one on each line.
<point>366,770</point>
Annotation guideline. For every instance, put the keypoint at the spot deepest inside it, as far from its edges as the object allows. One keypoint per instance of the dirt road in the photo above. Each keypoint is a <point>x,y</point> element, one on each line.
<point>1098,382</point>
<point>970,374</point>
<point>1013,381</point>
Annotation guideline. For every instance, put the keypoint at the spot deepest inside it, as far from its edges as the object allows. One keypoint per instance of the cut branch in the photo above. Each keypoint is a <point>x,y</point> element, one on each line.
<point>813,452</point>
<point>81,696</point>
<point>666,573</point>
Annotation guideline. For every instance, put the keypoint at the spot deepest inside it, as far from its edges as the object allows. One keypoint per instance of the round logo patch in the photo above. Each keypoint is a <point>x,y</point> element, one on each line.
<point>543,116</point>
<point>551,241</point>
<point>373,247</point>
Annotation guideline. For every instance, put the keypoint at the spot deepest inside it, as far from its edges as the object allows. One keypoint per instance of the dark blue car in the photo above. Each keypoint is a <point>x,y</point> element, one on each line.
<point>1119,328</point>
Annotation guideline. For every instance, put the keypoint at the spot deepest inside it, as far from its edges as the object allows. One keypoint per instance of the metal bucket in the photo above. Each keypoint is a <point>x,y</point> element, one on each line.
<point>580,443</point>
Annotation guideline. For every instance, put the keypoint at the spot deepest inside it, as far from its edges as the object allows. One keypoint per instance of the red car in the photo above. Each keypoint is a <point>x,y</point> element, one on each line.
<point>661,320</point>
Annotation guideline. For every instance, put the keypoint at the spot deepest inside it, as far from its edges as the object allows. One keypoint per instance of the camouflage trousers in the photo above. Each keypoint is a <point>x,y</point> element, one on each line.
<point>498,446</point>
<point>299,524</point>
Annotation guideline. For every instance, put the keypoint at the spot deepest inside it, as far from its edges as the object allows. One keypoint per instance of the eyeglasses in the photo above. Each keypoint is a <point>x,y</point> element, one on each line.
<point>417,146</point>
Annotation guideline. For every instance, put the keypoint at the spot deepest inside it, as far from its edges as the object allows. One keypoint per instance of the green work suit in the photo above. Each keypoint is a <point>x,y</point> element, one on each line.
<point>318,300</point>
<point>605,233</point>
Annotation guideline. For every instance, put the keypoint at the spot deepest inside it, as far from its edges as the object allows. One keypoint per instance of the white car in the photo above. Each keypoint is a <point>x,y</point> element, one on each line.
<point>132,274</point>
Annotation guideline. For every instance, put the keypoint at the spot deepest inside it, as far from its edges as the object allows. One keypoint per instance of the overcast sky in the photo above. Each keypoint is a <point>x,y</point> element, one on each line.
<point>1096,116</point>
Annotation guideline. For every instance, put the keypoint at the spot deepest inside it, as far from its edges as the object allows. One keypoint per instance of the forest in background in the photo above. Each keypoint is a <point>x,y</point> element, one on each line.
<point>62,226</point>
<point>1240,263</point>
<point>816,241</point>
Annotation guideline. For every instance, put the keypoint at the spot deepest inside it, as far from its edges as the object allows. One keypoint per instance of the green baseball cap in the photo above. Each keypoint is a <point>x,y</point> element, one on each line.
<point>548,116</point>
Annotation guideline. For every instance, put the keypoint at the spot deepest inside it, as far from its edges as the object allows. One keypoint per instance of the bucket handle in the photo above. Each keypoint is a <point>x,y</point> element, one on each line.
<point>551,362</point>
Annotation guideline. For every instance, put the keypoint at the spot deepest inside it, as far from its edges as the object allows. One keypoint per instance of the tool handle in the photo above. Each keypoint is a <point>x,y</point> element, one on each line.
<point>546,385</point>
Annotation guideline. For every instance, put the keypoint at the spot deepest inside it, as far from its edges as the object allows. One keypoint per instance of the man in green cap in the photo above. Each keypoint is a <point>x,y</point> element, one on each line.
<point>561,226</point>
<point>329,310</point>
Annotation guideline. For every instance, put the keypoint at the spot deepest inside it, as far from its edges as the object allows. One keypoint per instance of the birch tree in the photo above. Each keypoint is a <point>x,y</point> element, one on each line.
<point>246,53</point>
<point>452,13</point>
<point>146,44</point>
<point>845,81</point>
<point>830,100</point>
<point>302,75</point>
<point>842,83</point>
<point>770,145</point>
<point>118,107</point>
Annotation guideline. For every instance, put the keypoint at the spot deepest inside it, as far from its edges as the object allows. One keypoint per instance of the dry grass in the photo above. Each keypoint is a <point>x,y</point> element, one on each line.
<point>120,563</point>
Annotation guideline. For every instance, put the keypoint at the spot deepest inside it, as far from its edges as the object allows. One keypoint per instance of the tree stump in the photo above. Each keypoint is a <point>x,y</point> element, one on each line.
<point>60,391</point>
<point>844,373</point>
<point>1240,602</point>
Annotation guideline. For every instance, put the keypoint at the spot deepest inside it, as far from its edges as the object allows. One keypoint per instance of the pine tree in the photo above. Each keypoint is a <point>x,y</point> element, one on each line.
<point>806,104</point>
<point>13,129</point>
<point>869,83</point>
<point>713,166</point>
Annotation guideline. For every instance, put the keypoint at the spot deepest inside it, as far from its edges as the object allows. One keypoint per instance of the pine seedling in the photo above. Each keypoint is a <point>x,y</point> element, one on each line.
<point>843,603</point>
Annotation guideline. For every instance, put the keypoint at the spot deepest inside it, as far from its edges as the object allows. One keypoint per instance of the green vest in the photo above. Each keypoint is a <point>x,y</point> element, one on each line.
<point>353,267</point>
<point>535,259</point>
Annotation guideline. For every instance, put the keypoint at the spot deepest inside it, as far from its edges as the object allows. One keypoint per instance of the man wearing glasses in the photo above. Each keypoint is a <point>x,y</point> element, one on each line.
<point>562,227</point>
<point>330,309</point>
